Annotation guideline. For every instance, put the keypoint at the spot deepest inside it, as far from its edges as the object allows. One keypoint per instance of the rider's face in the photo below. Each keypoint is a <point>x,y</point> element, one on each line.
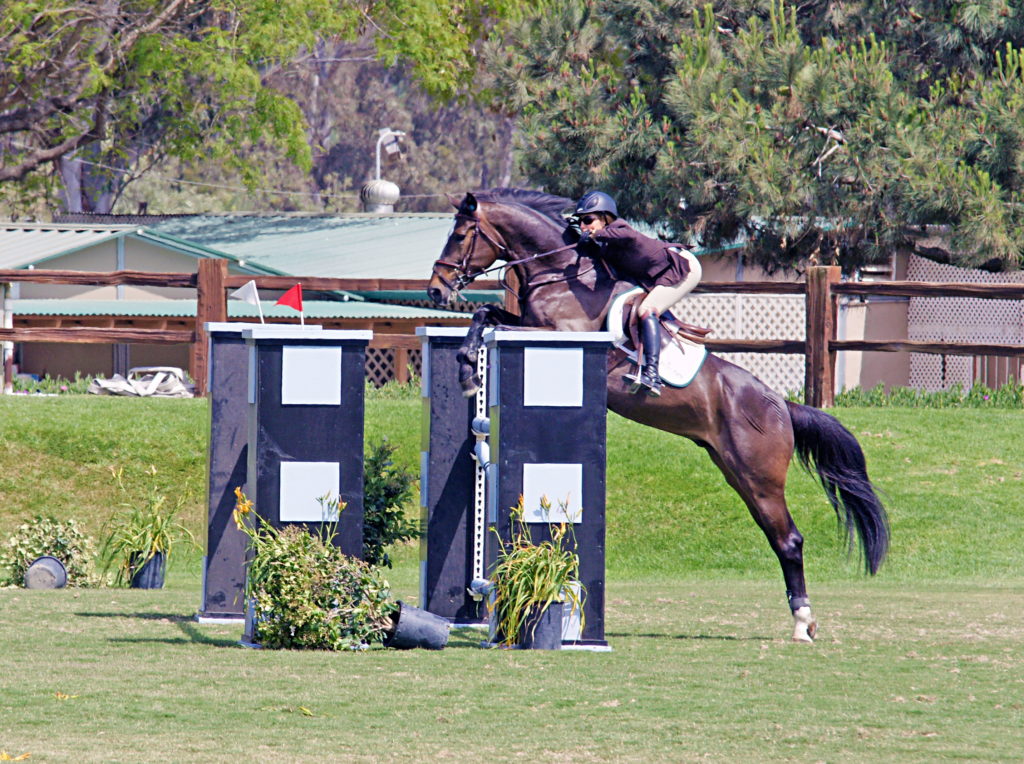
<point>592,222</point>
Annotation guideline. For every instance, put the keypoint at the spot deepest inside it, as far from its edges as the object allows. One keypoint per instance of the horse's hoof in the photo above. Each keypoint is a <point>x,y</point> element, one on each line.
<point>805,626</point>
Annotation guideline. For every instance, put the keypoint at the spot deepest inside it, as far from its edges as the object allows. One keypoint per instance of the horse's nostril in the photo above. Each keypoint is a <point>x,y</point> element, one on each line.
<point>434,294</point>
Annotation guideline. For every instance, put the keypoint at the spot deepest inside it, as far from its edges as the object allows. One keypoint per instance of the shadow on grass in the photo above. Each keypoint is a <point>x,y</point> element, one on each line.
<point>193,633</point>
<point>720,637</point>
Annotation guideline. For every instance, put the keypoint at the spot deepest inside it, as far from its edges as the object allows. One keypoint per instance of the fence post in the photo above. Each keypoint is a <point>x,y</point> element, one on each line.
<point>6,348</point>
<point>211,306</point>
<point>819,378</point>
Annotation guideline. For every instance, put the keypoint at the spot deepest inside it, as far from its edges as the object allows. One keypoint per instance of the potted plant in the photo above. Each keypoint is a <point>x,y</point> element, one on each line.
<point>532,582</point>
<point>141,537</point>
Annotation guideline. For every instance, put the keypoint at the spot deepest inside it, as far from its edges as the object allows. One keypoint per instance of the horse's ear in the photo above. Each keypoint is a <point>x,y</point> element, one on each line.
<point>469,204</point>
<point>455,201</point>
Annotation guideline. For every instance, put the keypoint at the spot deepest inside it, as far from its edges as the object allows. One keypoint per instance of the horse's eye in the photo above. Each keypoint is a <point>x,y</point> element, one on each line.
<point>457,236</point>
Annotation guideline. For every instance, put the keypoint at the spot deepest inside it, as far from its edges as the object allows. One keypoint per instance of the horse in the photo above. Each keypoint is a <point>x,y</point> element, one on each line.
<point>749,430</point>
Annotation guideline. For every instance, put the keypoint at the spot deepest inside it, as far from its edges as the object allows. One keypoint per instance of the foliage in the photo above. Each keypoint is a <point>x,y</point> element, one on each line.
<point>308,594</point>
<point>529,575</point>
<point>107,91</point>
<point>823,134</point>
<point>1010,395</point>
<point>48,536</point>
<point>386,489</point>
<point>146,526</point>
<point>52,385</point>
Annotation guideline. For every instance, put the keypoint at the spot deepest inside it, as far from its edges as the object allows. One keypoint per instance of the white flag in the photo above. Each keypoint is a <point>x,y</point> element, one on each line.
<point>248,293</point>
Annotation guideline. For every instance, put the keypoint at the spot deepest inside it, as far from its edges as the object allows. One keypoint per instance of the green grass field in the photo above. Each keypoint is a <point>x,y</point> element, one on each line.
<point>921,663</point>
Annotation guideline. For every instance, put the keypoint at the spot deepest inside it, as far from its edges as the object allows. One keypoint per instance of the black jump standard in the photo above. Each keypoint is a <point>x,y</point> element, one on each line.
<point>547,396</point>
<point>447,482</point>
<point>305,434</point>
<point>224,562</point>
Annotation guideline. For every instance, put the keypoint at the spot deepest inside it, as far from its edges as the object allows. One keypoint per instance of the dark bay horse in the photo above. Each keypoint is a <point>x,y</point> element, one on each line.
<point>749,431</point>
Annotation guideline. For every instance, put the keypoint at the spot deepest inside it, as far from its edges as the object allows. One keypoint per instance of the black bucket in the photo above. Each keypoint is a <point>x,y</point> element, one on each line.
<point>542,629</point>
<point>151,574</point>
<point>46,572</point>
<point>417,628</point>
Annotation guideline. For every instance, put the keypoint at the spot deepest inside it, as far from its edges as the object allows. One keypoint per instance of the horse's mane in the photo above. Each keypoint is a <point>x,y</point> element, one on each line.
<point>548,205</point>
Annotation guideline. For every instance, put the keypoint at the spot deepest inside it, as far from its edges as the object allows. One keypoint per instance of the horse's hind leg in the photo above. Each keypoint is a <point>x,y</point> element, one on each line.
<point>761,483</point>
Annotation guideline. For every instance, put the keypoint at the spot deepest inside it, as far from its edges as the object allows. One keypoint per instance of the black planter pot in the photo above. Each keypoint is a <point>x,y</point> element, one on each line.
<point>46,572</point>
<point>151,574</point>
<point>542,628</point>
<point>417,628</point>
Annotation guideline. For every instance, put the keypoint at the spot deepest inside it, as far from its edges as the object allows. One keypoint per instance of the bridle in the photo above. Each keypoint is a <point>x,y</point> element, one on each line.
<point>464,277</point>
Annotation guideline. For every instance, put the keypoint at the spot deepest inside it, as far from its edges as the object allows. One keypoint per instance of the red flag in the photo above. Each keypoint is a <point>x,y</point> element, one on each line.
<point>292,298</point>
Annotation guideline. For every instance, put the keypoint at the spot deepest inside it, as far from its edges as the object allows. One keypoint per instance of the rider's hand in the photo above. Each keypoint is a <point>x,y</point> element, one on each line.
<point>573,232</point>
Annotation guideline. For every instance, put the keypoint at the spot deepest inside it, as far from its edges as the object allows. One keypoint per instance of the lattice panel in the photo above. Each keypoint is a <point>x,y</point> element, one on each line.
<point>380,364</point>
<point>754,317</point>
<point>961,319</point>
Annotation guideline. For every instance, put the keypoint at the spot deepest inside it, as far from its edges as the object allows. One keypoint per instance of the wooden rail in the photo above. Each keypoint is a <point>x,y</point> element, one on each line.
<point>822,288</point>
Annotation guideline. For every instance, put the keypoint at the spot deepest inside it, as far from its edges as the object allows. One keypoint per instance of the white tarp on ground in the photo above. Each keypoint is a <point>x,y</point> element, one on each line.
<point>145,381</point>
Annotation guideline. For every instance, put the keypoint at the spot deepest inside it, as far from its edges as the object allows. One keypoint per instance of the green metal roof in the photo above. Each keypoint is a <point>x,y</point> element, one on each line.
<point>313,309</point>
<point>29,244</point>
<point>358,245</point>
<point>479,296</point>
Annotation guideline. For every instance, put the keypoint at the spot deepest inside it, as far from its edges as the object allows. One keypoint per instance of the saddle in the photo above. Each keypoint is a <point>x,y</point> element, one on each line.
<point>682,344</point>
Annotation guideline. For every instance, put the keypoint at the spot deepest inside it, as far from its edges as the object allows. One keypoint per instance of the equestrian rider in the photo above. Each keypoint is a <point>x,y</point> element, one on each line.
<point>665,270</point>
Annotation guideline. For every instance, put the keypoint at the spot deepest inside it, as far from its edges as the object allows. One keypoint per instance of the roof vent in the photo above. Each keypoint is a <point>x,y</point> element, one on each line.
<point>379,196</point>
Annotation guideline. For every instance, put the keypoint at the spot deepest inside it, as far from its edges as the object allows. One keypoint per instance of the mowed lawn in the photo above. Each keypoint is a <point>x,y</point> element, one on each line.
<point>921,663</point>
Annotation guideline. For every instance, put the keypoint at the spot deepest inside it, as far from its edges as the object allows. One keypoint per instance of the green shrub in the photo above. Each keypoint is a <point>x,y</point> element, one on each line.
<point>1010,395</point>
<point>52,385</point>
<point>47,536</point>
<point>386,488</point>
<point>308,594</point>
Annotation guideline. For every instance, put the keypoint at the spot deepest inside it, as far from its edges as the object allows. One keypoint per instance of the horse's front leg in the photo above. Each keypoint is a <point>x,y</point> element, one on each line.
<point>488,315</point>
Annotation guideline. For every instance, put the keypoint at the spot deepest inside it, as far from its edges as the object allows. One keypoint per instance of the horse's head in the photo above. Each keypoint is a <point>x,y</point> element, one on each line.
<point>472,247</point>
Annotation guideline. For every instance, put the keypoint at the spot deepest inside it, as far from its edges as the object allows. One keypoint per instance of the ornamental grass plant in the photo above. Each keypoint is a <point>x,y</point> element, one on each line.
<point>144,528</point>
<point>530,576</point>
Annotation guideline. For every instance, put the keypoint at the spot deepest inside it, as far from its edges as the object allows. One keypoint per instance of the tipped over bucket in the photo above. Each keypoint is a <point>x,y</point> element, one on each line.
<point>414,627</point>
<point>46,572</point>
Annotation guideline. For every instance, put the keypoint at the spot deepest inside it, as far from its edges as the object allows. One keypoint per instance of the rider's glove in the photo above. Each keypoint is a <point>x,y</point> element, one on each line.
<point>573,232</point>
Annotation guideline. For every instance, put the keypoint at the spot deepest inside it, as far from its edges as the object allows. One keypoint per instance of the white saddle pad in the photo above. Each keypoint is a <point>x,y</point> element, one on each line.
<point>680,358</point>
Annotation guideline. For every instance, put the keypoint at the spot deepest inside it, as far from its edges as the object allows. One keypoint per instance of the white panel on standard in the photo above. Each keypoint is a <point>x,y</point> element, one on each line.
<point>553,377</point>
<point>310,375</point>
<point>302,486</point>
<point>560,485</point>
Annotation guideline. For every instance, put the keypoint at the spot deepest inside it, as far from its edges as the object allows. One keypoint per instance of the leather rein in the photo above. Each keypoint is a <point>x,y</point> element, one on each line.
<point>464,277</point>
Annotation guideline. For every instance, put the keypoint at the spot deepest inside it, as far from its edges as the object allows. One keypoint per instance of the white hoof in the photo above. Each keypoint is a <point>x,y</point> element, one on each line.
<point>804,625</point>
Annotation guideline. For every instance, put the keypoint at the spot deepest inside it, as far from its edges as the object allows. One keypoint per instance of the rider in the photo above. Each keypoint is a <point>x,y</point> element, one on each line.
<point>666,271</point>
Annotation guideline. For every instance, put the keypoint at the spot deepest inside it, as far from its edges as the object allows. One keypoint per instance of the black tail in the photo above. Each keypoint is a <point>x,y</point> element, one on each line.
<point>824,446</point>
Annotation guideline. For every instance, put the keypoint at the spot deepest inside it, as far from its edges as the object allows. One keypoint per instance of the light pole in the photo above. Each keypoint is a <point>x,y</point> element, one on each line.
<point>387,133</point>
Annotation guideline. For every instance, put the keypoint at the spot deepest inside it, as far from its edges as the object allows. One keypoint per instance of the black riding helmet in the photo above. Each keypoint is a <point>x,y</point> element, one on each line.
<point>596,201</point>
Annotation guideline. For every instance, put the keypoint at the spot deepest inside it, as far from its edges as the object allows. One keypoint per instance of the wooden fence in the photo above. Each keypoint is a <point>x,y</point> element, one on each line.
<point>822,289</point>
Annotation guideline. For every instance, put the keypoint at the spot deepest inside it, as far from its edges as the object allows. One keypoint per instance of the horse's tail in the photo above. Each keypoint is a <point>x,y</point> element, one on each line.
<point>824,446</point>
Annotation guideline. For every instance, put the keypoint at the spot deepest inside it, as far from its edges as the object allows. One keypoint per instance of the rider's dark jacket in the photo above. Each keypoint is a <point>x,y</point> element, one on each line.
<point>635,257</point>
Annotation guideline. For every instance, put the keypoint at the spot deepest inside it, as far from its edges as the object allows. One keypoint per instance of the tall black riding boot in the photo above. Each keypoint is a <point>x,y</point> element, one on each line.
<point>648,378</point>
